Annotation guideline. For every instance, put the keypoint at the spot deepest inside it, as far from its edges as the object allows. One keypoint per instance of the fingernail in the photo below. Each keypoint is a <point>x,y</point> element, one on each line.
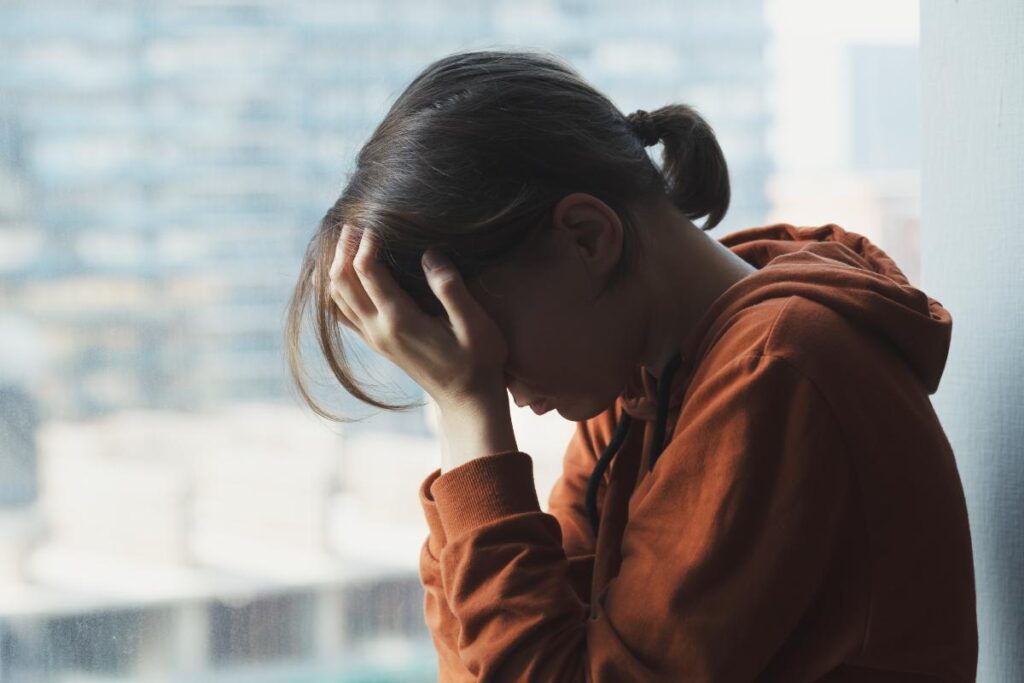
<point>431,261</point>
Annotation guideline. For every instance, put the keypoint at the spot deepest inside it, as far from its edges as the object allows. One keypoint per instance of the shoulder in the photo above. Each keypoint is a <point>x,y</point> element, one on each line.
<point>827,346</point>
<point>841,357</point>
<point>812,338</point>
<point>793,328</point>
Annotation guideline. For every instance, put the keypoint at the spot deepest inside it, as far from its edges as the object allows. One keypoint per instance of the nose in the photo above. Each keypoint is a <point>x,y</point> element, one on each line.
<point>510,383</point>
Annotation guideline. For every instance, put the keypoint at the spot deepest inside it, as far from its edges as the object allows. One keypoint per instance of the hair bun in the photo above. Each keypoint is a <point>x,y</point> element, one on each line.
<point>643,125</point>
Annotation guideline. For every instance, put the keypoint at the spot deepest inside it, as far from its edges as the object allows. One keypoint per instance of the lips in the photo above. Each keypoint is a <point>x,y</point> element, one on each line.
<point>540,407</point>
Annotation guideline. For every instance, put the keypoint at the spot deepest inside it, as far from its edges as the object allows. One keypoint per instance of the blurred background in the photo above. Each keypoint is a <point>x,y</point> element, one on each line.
<point>169,510</point>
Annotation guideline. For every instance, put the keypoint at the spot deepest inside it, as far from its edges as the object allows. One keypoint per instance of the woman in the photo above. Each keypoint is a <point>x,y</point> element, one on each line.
<point>758,487</point>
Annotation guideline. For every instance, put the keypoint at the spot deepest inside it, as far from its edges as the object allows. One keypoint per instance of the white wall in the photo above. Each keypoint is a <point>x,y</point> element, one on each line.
<point>972,231</point>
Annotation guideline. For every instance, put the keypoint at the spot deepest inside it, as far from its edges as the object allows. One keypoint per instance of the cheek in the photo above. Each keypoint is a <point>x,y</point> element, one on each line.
<point>550,343</point>
<point>533,348</point>
<point>547,353</point>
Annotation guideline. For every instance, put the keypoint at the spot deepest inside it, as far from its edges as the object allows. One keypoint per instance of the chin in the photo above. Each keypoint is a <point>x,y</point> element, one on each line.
<point>575,412</point>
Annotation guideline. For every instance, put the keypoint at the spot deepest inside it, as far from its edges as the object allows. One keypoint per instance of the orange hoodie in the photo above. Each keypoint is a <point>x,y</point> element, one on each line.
<point>805,520</point>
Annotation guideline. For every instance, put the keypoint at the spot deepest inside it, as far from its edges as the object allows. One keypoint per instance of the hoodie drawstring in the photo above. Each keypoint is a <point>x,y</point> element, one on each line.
<point>622,428</point>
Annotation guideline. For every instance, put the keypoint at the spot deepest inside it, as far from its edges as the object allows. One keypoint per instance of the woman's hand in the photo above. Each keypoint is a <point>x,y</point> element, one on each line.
<point>459,364</point>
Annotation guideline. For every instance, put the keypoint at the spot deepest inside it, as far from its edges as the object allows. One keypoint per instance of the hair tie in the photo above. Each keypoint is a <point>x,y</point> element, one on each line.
<point>643,125</point>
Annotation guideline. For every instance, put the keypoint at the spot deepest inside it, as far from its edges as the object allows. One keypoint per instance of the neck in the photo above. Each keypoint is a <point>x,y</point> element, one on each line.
<point>691,269</point>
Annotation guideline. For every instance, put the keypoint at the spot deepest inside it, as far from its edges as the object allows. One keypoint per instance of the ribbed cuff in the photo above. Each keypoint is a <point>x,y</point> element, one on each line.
<point>436,539</point>
<point>483,490</point>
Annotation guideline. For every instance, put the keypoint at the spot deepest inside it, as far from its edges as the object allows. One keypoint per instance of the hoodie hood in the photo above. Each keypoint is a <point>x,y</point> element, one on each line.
<point>835,267</point>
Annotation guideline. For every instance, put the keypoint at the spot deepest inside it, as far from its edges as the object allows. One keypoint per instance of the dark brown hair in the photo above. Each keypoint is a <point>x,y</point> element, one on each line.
<point>472,158</point>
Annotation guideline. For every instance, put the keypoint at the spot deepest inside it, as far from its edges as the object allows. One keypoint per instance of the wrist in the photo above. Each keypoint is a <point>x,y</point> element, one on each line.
<point>475,428</point>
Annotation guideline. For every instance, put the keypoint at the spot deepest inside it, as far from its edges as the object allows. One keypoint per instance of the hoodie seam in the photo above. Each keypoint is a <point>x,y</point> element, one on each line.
<point>855,483</point>
<point>775,322</point>
<point>754,352</point>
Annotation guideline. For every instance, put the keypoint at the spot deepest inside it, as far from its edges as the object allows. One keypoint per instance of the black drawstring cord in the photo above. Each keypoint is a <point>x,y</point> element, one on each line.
<point>602,464</point>
<point>621,429</point>
<point>664,384</point>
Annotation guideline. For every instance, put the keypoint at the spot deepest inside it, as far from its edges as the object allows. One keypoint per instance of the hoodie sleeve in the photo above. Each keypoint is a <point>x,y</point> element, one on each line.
<point>565,503</point>
<point>443,626</point>
<point>726,544</point>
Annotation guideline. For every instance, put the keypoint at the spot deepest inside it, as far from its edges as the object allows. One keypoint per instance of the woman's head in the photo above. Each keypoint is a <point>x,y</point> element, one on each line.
<point>508,162</point>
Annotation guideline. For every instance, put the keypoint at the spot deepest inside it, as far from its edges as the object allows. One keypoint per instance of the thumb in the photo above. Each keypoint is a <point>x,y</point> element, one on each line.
<point>447,284</point>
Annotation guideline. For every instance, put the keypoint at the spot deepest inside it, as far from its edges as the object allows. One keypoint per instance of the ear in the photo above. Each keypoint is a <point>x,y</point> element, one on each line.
<point>592,229</point>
